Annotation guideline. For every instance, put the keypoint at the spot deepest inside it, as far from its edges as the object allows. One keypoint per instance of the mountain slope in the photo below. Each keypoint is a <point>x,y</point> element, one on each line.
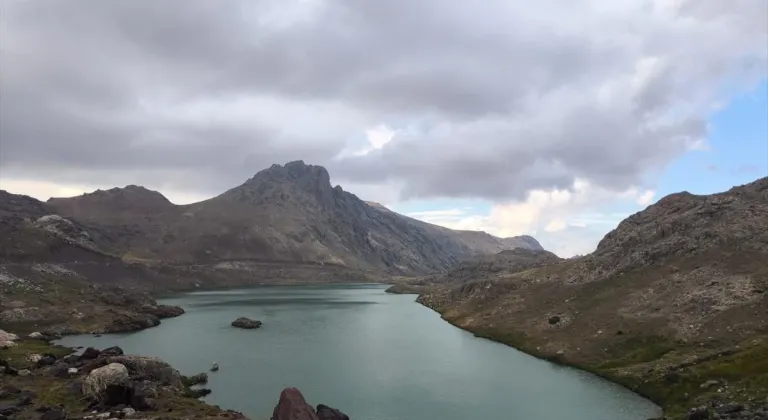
<point>283,213</point>
<point>674,297</point>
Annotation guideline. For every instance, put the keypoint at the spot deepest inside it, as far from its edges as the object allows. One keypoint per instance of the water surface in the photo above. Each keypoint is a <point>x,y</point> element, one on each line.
<point>373,355</point>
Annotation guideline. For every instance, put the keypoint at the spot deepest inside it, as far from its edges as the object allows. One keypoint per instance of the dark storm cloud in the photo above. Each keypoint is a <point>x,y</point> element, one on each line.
<point>507,98</point>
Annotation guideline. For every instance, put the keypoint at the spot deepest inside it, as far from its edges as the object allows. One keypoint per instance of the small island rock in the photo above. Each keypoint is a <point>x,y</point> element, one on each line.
<point>246,323</point>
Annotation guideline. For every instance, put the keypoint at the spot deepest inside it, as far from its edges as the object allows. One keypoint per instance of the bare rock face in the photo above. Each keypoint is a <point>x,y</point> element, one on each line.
<point>246,323</point>
<point>293,406</point>
<point>327,413</point>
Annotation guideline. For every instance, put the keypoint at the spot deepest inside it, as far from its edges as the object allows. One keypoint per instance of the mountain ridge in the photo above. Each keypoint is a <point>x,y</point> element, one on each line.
<point>282,213</point>
<point>673,298</point>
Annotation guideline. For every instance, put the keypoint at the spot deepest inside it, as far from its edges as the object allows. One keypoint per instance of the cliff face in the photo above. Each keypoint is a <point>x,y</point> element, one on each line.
<point>669,297</point>
<point>286,213</point>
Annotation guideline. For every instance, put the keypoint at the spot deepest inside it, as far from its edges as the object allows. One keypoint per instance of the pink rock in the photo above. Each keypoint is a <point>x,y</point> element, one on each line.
<point>292,406</point>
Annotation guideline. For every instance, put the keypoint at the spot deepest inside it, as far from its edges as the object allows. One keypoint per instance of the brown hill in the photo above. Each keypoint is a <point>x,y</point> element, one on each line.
<point>674,297</point>
<point>287,213</point>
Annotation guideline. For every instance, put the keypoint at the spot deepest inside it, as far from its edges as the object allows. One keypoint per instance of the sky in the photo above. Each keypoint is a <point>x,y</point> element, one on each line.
<point>554,119</point>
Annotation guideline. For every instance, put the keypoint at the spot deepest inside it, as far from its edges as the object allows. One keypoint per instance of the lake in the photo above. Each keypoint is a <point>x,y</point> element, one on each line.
<point>373,355</point>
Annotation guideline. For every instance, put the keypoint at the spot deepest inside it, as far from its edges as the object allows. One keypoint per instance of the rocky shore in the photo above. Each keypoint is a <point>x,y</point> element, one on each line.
<point>42,381</point>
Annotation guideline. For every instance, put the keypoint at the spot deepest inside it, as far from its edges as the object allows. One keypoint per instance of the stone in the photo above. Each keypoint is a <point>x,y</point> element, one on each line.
<point>25,372</point>
<point>700,413</point>
<point>128,411</point>
<point>54,414</point>
<point>246,323</point>
<point>90,353</point>
<point>36,336</point>
<point>327,413</point>
<point>293,406</point>
<point>554,320</point>
<point>46,360</point>
<point>72,371</point>
<point>112,351</point>
<point>200,378</point>
<point>709,384</point>
<point>100,379</point>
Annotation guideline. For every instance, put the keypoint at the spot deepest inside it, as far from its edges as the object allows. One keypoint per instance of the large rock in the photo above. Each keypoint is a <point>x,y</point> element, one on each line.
<point>98,380</point>
<point>150,368</point>
<point>327,413</point>
<point>246,323</point>
<point>7,339</point>
<point>292,406</point>
<point>164,311</point>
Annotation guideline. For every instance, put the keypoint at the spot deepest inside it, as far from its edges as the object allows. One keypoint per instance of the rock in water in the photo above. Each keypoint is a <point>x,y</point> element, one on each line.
<point>246,323</point>
<point>292,406</point>
<point>327,413</point>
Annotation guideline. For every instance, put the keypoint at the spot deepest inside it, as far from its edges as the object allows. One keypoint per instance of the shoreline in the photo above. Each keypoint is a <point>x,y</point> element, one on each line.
<point>557,360</point>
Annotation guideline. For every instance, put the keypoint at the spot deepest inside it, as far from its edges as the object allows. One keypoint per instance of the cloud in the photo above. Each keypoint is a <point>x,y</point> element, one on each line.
<point>433,99</point>
<point>567,221</point>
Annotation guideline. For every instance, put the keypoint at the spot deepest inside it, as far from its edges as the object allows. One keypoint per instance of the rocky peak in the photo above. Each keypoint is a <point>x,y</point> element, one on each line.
<point>312,179</point>
<point>684,223</point>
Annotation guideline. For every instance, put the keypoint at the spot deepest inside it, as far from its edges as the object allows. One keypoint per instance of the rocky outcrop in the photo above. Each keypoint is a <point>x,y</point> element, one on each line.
<point>292,406</point>
<point>246,323</point>
<point>327,413</point>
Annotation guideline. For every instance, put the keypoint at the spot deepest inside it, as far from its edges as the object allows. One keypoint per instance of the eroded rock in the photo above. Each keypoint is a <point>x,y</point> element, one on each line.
<point>293,406</point>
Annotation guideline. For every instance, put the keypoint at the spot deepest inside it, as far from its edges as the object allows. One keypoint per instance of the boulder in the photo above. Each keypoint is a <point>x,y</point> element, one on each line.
<point>36,336</point>
<point>90,353</point>
<point>292,406</point>
<point>98,380</point>
<point>150,368</point>
<point>7,339</point>
<point>112,351</point>
<point>25,372</point>
<point>327,413</point>
<point>700,413</point>
<point>246,323</point>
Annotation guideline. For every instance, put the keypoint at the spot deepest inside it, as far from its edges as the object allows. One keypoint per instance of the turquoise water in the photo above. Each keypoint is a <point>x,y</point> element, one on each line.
<point>373,355</point>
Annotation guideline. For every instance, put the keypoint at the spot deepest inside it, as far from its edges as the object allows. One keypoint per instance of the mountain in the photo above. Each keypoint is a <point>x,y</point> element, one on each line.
<point>285,213</point>
<point>672,303</point>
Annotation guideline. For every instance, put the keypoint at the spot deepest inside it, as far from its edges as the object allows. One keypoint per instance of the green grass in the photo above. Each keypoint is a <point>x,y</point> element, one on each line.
<point>17,355</point>
<point>637,350</point>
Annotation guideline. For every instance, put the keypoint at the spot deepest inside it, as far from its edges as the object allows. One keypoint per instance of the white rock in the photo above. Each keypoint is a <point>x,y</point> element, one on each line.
<point>99,379</point>
<point>72,371</point>
<point>24,372</point>
<point>128,411</point>
<point>36,336</point>
<point>34,357</point>
<point>6,336</point>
